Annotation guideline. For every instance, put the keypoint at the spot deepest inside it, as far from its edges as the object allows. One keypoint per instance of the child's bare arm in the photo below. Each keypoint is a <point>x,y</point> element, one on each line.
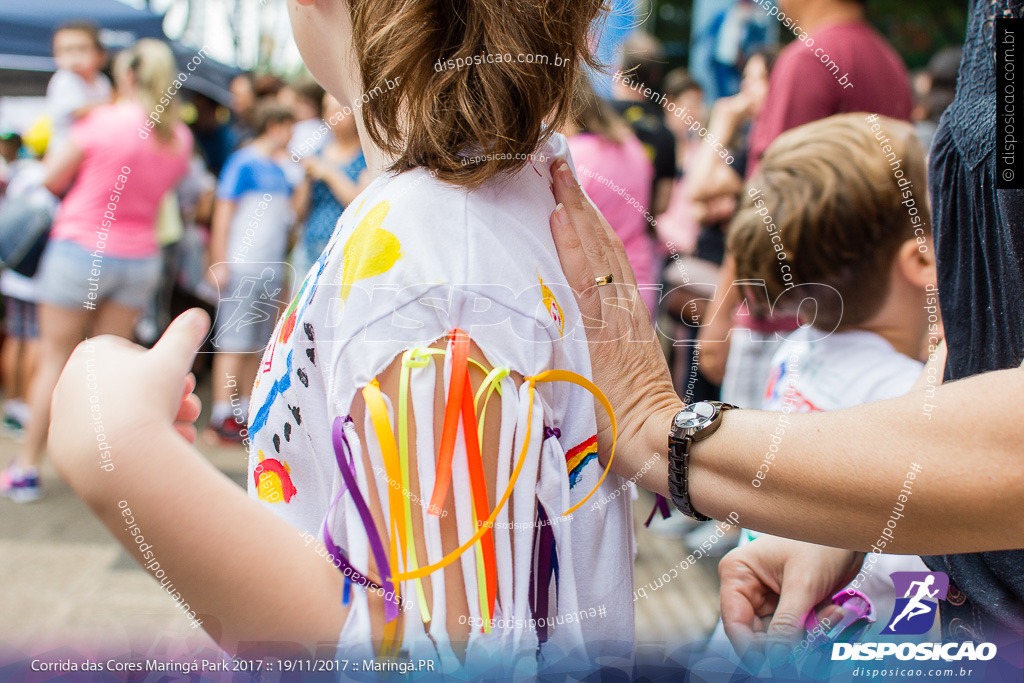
<point>265,586</point>
<point>220,228</point>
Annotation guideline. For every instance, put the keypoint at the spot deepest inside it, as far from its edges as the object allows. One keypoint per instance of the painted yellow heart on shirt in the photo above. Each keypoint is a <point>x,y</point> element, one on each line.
<point>370,250</point>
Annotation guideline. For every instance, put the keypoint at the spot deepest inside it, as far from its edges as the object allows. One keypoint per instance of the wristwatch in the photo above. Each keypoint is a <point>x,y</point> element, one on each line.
<point>694,422</point>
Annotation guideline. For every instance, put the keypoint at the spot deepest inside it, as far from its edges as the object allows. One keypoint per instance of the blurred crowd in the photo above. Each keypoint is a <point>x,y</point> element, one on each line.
<point>115,215</point>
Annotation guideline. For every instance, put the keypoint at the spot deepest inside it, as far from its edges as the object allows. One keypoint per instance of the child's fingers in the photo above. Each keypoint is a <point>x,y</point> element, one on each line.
<point>177,348</point>
<point>187,431</point>
<point>190,385</point>
<point>189,409</point>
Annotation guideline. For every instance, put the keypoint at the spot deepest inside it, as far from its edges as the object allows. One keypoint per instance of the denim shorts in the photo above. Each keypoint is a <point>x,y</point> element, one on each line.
<point>72,277</point>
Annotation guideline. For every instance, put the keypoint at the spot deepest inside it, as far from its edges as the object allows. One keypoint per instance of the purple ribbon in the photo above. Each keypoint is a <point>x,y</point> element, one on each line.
<point>541,571</point>
<point>341,555</point>
<point>660,503</point>
<point>343,454</point>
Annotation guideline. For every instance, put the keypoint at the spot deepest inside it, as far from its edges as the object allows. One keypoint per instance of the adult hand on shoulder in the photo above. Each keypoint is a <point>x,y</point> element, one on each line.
<point>769,587</point>
<point>626,359</point>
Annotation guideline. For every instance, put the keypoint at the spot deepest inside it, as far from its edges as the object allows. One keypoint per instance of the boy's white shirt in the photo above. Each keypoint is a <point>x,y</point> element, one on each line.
<point>411,259</point>
<point>836,371</point>
<point>815,371</point>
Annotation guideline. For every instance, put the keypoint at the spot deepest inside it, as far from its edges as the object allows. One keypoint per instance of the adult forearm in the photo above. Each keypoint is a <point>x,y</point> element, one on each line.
<point>837,478</point>
<point>711,176</point>
<point>833,478</point>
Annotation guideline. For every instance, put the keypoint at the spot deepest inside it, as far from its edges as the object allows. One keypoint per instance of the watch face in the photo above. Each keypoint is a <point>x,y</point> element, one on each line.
<point>695,417</point>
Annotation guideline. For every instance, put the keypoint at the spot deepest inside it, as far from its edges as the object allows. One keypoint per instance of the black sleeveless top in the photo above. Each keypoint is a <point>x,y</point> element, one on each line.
<point>979,243</point>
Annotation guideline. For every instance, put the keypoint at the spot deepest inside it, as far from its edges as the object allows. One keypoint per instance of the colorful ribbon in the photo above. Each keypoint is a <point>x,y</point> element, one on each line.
<point>341,449</point>
<point>461,404</point>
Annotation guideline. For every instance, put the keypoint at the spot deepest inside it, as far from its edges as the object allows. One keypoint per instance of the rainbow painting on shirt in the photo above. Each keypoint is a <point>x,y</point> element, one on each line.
<point>577,457</point>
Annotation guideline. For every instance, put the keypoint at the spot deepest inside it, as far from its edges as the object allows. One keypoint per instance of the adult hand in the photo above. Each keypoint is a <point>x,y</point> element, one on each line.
<point>770,585</point>
<point>625,357</point>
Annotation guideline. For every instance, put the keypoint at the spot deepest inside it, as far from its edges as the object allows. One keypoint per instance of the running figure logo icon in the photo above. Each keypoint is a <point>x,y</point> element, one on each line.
<point>914,613</point>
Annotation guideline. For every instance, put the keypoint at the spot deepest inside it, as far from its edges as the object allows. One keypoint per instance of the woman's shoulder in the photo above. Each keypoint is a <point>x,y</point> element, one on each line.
<point>177,148</point>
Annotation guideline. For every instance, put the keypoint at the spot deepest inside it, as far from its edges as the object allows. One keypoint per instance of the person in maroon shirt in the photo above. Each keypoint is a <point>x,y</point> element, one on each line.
<point>838,64</point>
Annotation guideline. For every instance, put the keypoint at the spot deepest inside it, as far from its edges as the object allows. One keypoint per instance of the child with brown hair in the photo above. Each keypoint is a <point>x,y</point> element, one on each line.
<point>837,213</point>
<point>832,215</point>
<point>430,355</point>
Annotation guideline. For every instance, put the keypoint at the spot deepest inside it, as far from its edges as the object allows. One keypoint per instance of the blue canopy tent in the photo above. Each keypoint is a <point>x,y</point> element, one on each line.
<point>27,27</point>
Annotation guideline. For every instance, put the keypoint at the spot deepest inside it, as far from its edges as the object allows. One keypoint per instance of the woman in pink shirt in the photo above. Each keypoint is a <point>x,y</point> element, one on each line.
<point>616,172</point>
<point>102,266</point>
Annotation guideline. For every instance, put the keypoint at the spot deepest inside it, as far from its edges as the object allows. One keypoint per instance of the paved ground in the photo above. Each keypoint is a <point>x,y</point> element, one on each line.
<point>66,580</point>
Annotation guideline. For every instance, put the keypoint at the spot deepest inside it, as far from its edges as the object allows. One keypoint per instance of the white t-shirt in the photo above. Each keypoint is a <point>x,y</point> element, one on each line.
<point>67,92</point>
<point>811,372</point>
<point>835,371</point>
<point>412,259</point>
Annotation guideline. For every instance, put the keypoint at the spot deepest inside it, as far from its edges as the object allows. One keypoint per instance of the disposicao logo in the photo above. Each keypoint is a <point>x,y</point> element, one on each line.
<point>914,614</point>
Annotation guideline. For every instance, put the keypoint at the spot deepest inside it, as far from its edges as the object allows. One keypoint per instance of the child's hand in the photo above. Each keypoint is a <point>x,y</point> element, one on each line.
<point>113,394</point>
<point>769,587</point>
